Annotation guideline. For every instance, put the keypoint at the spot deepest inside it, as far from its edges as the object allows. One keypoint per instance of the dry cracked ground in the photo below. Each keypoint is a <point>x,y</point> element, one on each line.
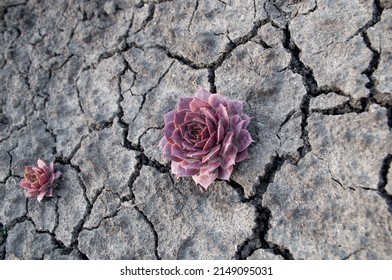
<point>85,84</point>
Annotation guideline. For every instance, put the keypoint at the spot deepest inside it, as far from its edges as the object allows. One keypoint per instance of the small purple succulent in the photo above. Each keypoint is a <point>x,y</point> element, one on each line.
<point>38,180</point>
<point>205,137</point>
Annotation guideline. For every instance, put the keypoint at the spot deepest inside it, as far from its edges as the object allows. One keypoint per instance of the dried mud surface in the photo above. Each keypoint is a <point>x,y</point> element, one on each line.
<point>85,84</point>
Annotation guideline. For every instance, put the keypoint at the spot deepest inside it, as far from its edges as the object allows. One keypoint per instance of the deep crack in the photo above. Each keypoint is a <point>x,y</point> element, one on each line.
<point>258,240</point>
<point>373,65</point>
<point>383,180</point>
<point>310,83</point>
<point>264,215</point>
<point>150,16</point>
<point>3,237</point>
<point>211,80</point>
<point>376,16</point>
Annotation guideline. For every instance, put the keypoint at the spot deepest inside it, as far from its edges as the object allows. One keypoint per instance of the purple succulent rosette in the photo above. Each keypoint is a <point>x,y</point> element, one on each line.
<point>205,137</point>
<point>38,180</point>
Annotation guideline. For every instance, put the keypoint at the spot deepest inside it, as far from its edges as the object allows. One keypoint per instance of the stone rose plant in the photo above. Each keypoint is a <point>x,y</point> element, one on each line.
<point>205,137</point>
<point>38,180</point>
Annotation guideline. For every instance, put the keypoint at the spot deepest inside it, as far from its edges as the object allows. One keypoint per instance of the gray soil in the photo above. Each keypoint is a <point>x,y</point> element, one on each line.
<point>85,84</point>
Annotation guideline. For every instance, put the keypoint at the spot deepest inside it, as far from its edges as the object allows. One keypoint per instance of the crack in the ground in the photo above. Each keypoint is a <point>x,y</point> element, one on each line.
<point>66,60</point>
<point>78,95</point>
<point>211,80</point>
<point>67,160</point>
<point>144,96</point>
<point>333,178</point>
<point>14,129</point>
<point>79,227</point>
<point>383,180</point>
<point>223,3</point>
<point>9,175</point>
<point>376,16</point>
<point>373,65</point>
<point>55,242</point>
<point>145,132</point>
<point>180,58</point>
<point>124,125</point>
<point>285,121</point>
<point>312,9</point>
<point>239,189</point>
<point>230,47</point>
<point>43,92</point>
<point>156,1</point>
<point>254,9</point>
<point>66,250</point>
<point>313,90</point>
<point>9,226</point>
<point>264,216</point>
<point>155,164</point>
<point>8,6</point>
<point>264,45</point>
<point>128,67</point>
<point>310,83</point>
<point>3,237</point>
<point>90,204</point>
<point>193,15</point>
<point>374,62</point>
<point>347,107</point>
<point>353,253</point>
<point>98,126</point>
<point>141,161</point>
<point>17,220</point>
<point>233,44</point>
<point>150,16</point>
<point>123,46</point>
<point>53,135</point>
<point>57,218</point>
<point>110,215</point>
<point>156,238</point>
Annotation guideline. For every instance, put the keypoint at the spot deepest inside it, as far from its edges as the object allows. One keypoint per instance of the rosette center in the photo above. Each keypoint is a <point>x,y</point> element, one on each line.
<point>195,131</point>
